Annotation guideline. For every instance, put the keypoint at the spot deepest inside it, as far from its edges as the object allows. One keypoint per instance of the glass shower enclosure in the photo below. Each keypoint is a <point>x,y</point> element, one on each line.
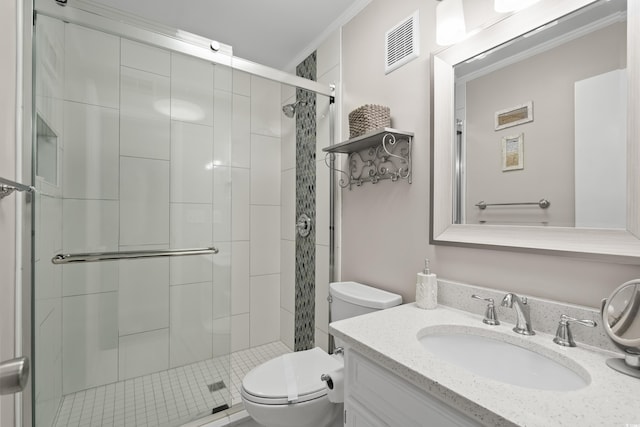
<point>132,155</point>
<point>169,179</point>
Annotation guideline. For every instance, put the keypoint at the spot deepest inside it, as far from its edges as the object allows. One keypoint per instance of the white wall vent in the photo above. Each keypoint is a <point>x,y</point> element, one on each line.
<point>402,43</point>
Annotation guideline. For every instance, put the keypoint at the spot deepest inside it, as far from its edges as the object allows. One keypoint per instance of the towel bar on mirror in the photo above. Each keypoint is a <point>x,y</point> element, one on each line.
<point>542,203</point>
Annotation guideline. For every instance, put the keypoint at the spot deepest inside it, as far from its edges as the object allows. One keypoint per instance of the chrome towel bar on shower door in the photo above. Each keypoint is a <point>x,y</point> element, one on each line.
<point>111,256</point>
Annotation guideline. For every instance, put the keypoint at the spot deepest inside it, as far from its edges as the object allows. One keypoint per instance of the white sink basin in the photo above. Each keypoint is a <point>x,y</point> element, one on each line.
<point>502,361</point>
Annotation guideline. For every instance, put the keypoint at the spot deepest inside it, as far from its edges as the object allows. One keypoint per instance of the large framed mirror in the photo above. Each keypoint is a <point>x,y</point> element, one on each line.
<point>535,133</point>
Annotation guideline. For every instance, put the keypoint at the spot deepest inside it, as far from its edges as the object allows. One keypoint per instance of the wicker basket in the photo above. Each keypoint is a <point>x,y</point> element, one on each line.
<point>367,118</point>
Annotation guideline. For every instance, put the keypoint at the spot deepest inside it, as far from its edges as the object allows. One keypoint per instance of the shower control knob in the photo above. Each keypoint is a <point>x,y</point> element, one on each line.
<point>303,225</point>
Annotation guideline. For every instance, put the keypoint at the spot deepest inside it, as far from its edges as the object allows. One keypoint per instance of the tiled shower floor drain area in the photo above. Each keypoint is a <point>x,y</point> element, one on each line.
<point>166,398</point>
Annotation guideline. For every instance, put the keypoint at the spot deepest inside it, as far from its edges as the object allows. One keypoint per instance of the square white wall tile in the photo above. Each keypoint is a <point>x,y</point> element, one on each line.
<point>92,66</point>
<point>143,295</point>
<point>222,127</point>
<point>142,354</point>
<point>288,93</point>
<point>322,203</point>
<point>91,152</point>
<point>288,141</point>
<point>49,66</point>
<point>48,279</point>
<point>241,83</point>
<point>240,332</point>
<point>223,77</point>
<point>144,201</point>
<point>48,335</point>
<point>288,275</point>
<point>265,170</point>
<point>191,90</point>
<point>288,201</point>
<point>222,204</point>
<point>265,107</point>
<point>191,163</point>
<point>287,328</point>
<point>328,53</point>
<point>146,58</point>
<point>145,124</point>
<point>240,204</point>
<point>191,269</point>
<point>90,341</point>
<point>89,225</point>
<point>265,240</point>
<point>51,111</point>
<point>265,309</point>
<point>240,278</point>
<point>191,323</point>
<point>191,227</point>
<point>321,340</point>
<point>241,131</point>
<point>48,222</point>
<point>90,278</point>
<point>322,288</point>
<point>222,337</point>
<point>222,281</point>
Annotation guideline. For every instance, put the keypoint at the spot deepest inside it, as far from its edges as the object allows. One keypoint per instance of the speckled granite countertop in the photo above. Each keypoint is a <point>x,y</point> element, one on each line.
<point>390,338</point>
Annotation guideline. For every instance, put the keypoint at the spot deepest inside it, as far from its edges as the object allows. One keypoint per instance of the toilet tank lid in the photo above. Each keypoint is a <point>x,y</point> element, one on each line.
<point>363,295</point>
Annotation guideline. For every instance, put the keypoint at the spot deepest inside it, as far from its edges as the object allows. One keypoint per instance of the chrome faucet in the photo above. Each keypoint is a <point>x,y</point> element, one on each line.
<point>523,324</point>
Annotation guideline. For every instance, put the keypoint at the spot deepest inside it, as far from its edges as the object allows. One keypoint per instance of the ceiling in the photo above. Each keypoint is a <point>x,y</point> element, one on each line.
<point>276,33</point>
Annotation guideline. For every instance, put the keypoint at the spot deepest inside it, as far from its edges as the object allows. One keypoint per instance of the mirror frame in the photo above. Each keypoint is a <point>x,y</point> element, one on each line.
<point>622,246</point>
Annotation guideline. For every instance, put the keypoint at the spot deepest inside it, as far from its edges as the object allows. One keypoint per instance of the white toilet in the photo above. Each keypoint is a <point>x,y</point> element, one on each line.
<point>287,391</point>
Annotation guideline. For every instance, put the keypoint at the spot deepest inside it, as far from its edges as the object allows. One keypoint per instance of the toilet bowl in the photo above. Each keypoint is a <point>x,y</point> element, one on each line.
<point>287,391</point>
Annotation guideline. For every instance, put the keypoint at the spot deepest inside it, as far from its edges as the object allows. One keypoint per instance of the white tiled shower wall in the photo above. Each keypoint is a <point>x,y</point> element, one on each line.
<point>133,177</point>
<point>328,72</point>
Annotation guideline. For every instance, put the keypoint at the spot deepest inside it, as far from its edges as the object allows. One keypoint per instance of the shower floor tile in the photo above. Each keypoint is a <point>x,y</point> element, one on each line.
<point>167,398</point>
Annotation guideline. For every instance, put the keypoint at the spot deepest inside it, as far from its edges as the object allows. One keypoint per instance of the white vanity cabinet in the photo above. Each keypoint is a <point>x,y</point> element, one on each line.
<point>376,397</point>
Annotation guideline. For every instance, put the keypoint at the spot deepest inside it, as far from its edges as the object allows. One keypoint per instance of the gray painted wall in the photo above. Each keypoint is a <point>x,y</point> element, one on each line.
<point>385,226</point>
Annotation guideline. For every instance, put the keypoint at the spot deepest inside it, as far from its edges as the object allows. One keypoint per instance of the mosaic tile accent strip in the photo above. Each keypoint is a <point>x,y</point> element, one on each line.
<point>305,204</point>
<point>164,399</point>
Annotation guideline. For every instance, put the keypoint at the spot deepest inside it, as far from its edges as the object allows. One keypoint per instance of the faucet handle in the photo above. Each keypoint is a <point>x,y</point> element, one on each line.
<point>490,316</point>
<point>563,333</point>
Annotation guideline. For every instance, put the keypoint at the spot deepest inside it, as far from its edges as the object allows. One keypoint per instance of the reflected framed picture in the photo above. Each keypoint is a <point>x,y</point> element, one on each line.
<point>513,152</point>
<point>514,116</point>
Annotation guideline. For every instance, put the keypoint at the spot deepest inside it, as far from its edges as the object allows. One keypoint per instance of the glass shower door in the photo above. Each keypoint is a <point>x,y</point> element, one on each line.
<point>131,153</point>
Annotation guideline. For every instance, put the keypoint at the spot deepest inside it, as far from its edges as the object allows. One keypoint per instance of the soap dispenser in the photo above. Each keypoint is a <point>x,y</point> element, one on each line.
<point>427,288</point>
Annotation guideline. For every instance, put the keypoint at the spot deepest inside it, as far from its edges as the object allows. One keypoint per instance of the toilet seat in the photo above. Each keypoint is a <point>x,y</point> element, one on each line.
<point>273,382</point>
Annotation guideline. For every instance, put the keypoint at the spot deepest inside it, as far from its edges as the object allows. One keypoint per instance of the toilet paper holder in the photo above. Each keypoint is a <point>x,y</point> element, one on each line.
<point>327,378</point>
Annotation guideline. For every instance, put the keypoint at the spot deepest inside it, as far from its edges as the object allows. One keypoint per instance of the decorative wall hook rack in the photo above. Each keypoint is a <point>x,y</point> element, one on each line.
<point>384,153</point>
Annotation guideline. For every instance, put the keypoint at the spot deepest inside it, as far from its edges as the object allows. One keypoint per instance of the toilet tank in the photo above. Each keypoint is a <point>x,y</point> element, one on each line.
<point>349,299</point>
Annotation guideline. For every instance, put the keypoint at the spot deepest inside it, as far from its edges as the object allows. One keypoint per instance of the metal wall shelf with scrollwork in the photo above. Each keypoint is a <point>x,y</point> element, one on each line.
<point>384,153</point>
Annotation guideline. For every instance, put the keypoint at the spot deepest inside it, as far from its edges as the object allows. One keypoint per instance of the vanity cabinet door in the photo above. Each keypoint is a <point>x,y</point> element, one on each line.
<point>380,398</point>
<point>357,416</point>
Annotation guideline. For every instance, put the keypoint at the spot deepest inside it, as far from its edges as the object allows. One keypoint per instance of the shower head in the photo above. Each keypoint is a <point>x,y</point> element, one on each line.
<point>289,110</point>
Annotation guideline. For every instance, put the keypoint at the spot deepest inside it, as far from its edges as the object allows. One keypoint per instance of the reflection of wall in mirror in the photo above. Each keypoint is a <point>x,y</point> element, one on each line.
<point>548,80</point>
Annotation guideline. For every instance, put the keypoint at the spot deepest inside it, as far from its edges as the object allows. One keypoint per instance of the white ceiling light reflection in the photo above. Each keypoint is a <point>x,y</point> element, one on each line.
<point>179,109</point>
<point>504,6</point>
<point>209,166</point>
